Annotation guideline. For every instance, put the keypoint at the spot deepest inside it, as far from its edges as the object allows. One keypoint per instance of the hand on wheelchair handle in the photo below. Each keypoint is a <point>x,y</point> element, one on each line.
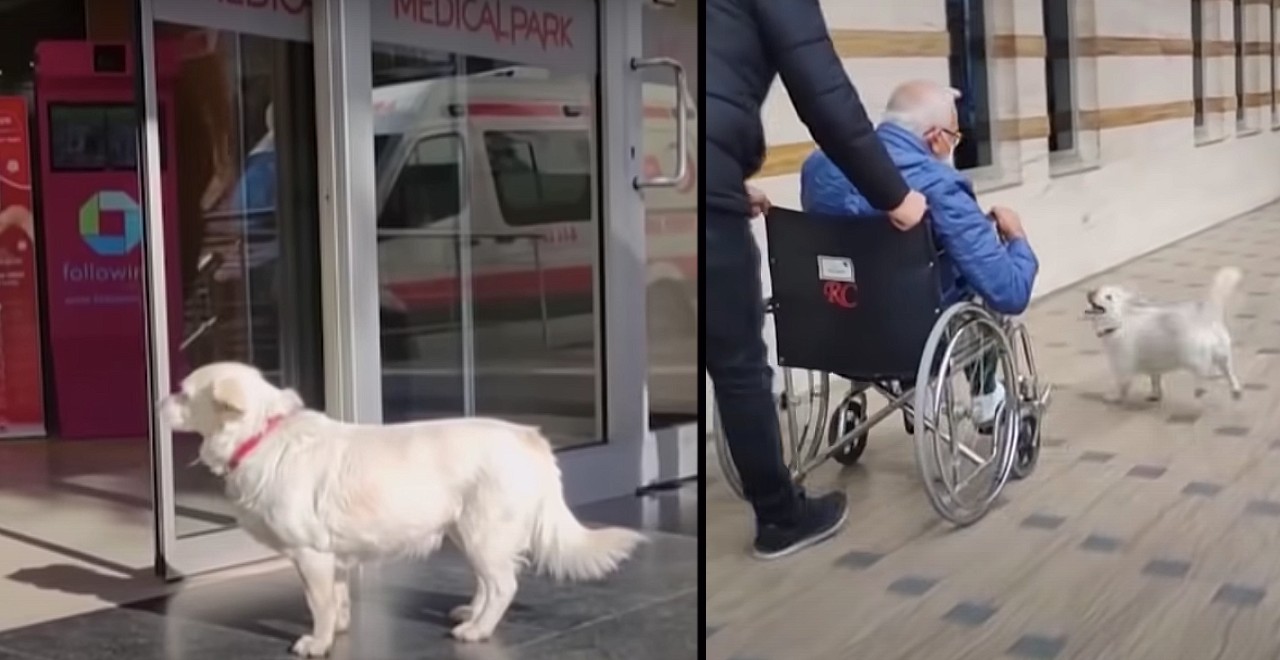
<point>910,212</point>
<point>760,203</point>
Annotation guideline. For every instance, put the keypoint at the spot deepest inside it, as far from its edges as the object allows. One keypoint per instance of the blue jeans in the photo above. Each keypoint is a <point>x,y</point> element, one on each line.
<point>737,362</point>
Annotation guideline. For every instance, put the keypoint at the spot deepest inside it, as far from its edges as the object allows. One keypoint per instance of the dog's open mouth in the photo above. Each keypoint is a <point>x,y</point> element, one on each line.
<point>1095,309</point>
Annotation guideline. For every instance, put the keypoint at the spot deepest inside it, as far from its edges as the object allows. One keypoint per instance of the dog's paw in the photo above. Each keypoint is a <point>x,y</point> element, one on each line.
<point>343,622</point>
<point>1237,395</point>
<point>460,614</point>
<point>310,647</point>
<point>469,632</point>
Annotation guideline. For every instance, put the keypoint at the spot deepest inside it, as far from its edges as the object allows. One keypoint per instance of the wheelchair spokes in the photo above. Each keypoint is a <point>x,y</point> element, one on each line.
<point>963,462</point>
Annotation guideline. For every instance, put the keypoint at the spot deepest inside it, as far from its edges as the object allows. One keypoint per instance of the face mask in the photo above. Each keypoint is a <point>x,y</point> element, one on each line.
<point>950,156</point>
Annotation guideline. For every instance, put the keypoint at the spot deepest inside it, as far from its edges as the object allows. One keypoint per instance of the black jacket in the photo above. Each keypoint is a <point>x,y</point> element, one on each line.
<point>748,42</point>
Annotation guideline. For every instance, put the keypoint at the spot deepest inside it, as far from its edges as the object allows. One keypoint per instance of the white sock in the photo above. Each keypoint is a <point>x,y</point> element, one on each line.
<point>985,406</point>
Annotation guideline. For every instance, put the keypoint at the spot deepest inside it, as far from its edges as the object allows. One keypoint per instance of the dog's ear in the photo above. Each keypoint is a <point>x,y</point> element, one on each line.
<point>230,396</point>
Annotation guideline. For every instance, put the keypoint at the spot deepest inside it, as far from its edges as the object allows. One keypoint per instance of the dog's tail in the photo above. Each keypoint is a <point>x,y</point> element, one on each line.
<point>1224,285</point>
<point>563,548</point>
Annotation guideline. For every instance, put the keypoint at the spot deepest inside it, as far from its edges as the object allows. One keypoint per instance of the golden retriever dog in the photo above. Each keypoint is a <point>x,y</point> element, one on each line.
<point>329,495</point>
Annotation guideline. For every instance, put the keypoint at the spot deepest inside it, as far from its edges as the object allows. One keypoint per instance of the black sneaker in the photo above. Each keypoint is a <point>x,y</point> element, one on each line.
<point>818,521</point>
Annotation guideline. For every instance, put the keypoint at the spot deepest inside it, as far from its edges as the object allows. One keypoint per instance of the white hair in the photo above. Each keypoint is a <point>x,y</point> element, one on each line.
<point>921,105</point>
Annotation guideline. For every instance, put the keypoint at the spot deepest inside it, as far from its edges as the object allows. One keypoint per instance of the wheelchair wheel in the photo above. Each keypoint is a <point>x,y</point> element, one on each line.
<point>848,415</point>
<point>1028,451</point>
<point>963,469</point>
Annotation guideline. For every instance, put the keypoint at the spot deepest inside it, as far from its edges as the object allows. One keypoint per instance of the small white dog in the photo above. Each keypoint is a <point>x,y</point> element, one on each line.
<point>329,495</point>
<point>1146,338</point>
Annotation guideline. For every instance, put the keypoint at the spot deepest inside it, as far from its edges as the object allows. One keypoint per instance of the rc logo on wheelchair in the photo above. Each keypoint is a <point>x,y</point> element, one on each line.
<point>839,286</point>
<point>841,294</point>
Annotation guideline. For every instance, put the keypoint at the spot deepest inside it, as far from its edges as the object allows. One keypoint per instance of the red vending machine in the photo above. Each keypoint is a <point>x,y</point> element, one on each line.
<point>91,227</point>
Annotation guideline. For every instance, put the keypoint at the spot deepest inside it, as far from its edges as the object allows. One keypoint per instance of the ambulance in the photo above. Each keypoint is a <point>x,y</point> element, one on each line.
<point>507,161</point>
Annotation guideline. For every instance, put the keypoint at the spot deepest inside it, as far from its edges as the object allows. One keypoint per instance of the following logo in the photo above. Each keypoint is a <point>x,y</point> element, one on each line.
<point>91,230</point>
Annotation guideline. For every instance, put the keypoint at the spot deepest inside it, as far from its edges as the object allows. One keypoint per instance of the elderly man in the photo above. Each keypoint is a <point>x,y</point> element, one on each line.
<point>980,258</point>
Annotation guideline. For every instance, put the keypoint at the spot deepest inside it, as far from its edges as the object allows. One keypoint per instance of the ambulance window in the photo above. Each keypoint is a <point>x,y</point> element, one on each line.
<point>428,188</point>
<point>541,177</point>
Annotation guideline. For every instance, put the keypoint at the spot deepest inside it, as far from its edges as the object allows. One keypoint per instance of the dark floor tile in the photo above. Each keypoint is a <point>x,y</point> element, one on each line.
<point>14,655</point>
<point>1263,508</point>
<point>1057,344</point>
<point>1232,431</point>
<point>1269,351</point>
<point>1239,595</point>
<point>1043,521</point>
<point>1246,316</point>
<point>969,614</point>
<point>1053,441</point>
<point>122,634</point>
<point>1096,456</point>
<point>1182,418</point>
<point>661,631</point>
<point>1170,568</point>
<point>1147,471</point>
<point>912,585</point>
<point>1090,352</point>
<point>1202,488</point>
<point>1100,543</point>
<point>1255,387</point>
<point>859,559</point>
<point>1037,647</point>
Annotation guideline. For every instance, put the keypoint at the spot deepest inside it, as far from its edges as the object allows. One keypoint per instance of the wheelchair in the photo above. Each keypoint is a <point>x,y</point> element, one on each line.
<point>856,299</point>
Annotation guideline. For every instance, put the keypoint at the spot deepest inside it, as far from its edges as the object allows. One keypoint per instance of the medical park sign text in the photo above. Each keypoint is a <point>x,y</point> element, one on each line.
<point>507,22</point>
<point>555,34</point>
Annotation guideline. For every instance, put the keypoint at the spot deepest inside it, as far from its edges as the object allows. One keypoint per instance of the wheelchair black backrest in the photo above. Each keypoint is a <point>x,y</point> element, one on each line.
<point>851,295</point>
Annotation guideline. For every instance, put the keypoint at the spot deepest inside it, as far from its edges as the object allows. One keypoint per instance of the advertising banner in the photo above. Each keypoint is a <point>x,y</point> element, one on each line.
<point>21,368</point>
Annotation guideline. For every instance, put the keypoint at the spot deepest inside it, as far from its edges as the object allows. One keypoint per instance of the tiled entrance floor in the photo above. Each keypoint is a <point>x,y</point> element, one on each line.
<point>1149,531</point>
<point>646,611</point>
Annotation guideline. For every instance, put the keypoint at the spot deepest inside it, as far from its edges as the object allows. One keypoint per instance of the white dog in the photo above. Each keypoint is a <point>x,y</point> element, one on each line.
<point>329,495</point>
<point>1153,339</point>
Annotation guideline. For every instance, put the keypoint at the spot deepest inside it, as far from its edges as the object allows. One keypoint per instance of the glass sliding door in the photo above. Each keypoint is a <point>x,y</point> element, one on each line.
<point>671,220</point>
<point>488,225</point>
<point>504,223</point>
<point>233,95</point>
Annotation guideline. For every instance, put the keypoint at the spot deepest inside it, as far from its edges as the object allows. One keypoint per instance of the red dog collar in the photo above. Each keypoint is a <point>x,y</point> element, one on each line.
<point>242,452</point>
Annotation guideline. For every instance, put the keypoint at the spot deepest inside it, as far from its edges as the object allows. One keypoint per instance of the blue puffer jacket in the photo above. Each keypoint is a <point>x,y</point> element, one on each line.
<point>975,261</point>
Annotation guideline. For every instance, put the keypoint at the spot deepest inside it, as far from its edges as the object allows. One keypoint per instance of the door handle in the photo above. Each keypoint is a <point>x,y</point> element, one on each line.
<point>682,123</point>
